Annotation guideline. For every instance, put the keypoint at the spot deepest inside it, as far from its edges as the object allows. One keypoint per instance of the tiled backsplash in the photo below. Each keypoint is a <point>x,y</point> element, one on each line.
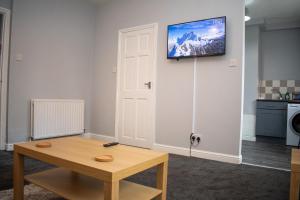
<point>269,89</point>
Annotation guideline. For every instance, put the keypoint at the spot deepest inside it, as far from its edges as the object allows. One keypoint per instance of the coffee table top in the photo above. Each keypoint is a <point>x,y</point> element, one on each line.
<point>78,154</point>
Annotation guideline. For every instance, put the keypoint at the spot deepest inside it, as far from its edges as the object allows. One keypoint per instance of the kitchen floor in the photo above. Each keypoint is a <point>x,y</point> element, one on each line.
<point>267,151</point>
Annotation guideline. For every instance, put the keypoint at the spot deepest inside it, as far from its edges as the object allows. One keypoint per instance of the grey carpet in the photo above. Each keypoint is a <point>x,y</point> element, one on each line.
<point>195,179</point>
<point>6,168</point>
<point>31,192</point>
<point>192,178</point>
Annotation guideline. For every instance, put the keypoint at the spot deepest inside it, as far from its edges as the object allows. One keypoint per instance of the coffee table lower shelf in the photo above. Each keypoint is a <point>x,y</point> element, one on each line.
<point>74,186</point>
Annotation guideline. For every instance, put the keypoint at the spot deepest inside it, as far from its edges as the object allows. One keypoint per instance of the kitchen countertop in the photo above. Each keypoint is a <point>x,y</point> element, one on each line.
<point>278,100</point>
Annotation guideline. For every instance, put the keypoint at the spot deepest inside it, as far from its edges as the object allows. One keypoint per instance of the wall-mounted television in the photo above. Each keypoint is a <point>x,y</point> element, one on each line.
<point>197,39</point>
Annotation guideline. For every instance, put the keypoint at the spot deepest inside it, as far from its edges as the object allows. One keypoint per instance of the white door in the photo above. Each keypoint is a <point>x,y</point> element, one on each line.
<point>135,115</point>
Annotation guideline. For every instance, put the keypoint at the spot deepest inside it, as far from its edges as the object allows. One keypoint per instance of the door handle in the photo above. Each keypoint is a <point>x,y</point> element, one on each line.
<point>148,85</point>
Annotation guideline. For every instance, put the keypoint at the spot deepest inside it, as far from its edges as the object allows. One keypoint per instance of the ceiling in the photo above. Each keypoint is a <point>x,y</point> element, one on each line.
<point>266,11</point>
<point>274,9</point>
<point>98,1</point>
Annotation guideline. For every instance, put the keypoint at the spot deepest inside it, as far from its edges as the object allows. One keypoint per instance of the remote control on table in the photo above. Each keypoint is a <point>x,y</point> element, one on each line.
<point>110,144</point>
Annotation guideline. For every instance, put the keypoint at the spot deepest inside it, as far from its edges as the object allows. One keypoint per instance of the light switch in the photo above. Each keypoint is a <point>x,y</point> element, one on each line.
<point>233,63</point>
<point>114,70</point>
<point>19,57</point>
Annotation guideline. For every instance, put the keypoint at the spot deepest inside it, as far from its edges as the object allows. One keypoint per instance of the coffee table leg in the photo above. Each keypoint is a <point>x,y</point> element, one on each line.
<point>18,176</point>
<point>161,180</point>
<point>111,190</point>
<point>294,186</point>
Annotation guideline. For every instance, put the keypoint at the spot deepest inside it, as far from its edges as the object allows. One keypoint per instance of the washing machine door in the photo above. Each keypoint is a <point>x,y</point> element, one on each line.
<point>295,123</point>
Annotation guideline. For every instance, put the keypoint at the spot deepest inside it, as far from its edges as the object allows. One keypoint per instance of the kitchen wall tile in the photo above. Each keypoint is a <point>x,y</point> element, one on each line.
<point>269,83</point>
<point>275,90</point>
<point>262,89</point>
<point>268,96</point>
<point>276,83</point>
<point>270,89</point>
<point>291,89</point>
<point>283,83</point>
<point>262,96</point>
<point>283,90</point>
<point>275,96</point>
<point>291,83</point>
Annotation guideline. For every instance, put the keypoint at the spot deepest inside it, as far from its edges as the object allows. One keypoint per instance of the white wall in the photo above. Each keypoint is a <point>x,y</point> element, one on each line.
<point>280,54</point>
<point>56,39</point>
<point>252,68</point>
<point>252,65</point>
<point>219,88</point>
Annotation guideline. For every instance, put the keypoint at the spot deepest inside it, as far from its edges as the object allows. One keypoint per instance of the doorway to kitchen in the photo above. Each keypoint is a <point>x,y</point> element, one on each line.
<point>272,83</point>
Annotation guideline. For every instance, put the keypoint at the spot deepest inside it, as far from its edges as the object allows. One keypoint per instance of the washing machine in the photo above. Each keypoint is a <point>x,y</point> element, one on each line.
<point>293,125</point>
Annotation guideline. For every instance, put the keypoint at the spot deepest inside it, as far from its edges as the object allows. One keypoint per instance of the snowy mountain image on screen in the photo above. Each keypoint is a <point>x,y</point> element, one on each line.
<point>191,44</point>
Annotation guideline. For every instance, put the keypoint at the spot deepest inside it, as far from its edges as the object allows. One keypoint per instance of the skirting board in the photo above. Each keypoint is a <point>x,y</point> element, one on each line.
<point>249,127</point>
<point>249,138</point>
<point>100,137</point>
<point>180,150</point>
<point>200,154</point>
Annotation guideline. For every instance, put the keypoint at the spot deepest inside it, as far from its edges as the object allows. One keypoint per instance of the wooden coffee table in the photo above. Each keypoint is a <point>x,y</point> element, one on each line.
<point>295,175</point>
<point>80,177</point>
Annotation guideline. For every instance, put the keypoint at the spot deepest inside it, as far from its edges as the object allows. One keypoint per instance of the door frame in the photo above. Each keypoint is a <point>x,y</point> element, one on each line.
<point>4,64</point>
<point>154,86</point>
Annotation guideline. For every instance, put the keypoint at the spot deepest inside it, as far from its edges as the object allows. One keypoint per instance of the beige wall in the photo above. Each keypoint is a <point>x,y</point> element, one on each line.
<point>56,39</point>
<point>219,87</point>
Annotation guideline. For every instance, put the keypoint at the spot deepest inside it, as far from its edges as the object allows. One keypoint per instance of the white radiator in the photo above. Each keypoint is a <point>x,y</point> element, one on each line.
<point>56,117</point>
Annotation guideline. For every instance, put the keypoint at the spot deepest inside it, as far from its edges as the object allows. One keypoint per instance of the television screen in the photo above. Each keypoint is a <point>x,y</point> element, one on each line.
<point>199,38</point>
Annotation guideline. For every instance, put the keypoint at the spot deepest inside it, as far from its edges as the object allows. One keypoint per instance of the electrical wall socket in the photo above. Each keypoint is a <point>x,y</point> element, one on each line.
<point>197,136</point>
<point>9,147</point>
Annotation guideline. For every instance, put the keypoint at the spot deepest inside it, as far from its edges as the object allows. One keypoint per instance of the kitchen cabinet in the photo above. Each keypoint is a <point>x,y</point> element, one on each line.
<point>271,118</point>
